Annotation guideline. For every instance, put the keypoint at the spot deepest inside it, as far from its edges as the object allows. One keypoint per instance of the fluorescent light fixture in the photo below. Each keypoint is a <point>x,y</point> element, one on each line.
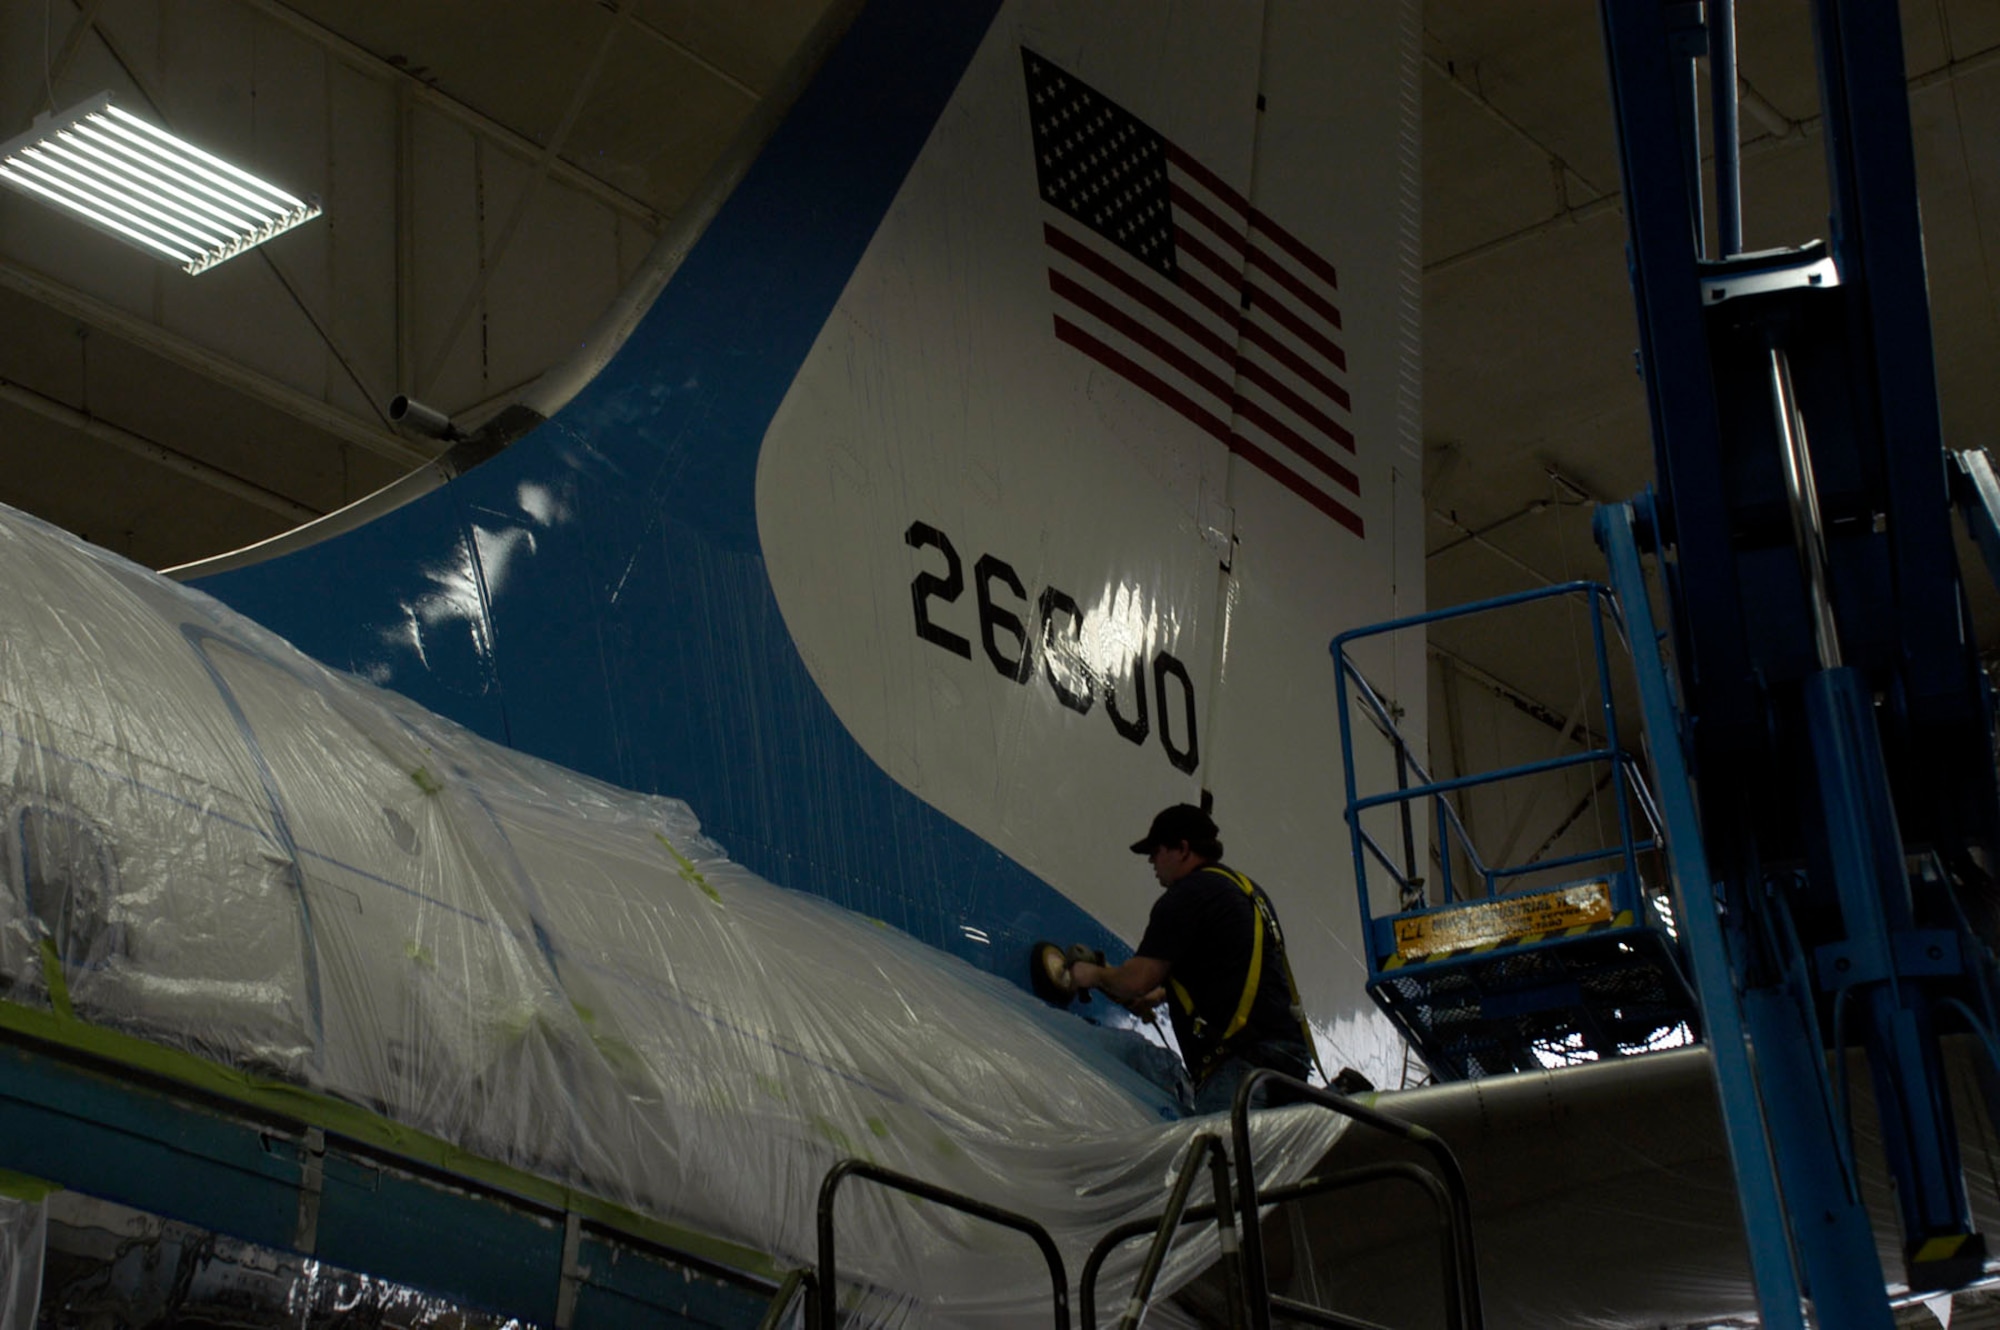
<point>139,183</point>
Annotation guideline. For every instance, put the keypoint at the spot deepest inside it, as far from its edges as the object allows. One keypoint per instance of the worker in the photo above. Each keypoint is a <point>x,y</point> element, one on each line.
<point>1214,953</point>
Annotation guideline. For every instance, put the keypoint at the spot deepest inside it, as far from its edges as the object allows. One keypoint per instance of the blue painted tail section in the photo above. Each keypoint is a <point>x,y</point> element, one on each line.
<point>596,594</point>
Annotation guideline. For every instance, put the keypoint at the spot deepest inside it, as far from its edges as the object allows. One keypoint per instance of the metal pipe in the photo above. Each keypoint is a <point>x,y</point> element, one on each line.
<point>1611,742</point>
<point>1409,831</point>
<point>1570,860</point>
<point>1552,590</point>
<point>1381,712</point>
<point>1403,883</point>
<point>1471,1312</point>
<point>1314,1185</point>
<point>428,421</point>
<point>1451,783</point>
<point>1772,1265</point>
<point>407,488</point>
<point>1803,497</point>
<point>1722,98</point>
<point>861,1168</point>
<point>1210,1145</point>
<point>798,1283</point>
<point>1687,101</point>
<point>1444,846</point>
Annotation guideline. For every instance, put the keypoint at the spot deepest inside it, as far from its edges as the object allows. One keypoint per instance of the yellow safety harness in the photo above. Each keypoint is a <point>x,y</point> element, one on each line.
<point>1263,920</point>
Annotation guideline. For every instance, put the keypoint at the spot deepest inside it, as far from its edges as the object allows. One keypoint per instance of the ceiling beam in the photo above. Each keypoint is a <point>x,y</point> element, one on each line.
<point>520,145</point>
<point>178,350</point>
<point>686,52</point>
<point>1448,71</point>
<point>1783,133</point>
<point>159,454</point>
<point>59,65</point>
<point>489,262</point>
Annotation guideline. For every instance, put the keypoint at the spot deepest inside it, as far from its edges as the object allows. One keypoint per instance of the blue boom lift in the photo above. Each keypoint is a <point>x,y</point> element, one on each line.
<point>1821,734</point>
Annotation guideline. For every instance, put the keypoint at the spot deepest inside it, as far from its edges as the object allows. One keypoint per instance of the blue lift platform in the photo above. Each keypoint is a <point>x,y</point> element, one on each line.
<point>1530,964</point>
<point>1818,727</point>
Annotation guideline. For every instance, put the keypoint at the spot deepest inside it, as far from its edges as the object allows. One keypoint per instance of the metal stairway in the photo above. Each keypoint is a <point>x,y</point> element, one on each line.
<point>286,1172</point>
<point>1236,1211</point>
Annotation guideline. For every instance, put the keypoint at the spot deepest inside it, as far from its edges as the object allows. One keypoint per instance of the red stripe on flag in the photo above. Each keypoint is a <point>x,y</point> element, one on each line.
<point>1140,377</point>
<point>1182,404</point>
<point>1312,299</point>
<point>1208,179</point>
<point>1070,248</point>
<point>1300,407</point>
<point>1295,247</point>
<point>1298,443</point>
<point>1296,326</point>
<point>1298,485</point>
<point>1187,242</point>
<point>1133,330</point>
<point>1216,303</point>
<point>1261,337</point>
<point>1204,214</point>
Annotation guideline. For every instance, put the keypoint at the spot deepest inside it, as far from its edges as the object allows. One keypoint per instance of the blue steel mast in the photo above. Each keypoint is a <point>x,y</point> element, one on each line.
<point>1826,769</point>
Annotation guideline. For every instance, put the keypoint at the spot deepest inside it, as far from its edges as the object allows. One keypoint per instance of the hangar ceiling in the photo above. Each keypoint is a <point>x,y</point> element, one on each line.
<point>495,174</point>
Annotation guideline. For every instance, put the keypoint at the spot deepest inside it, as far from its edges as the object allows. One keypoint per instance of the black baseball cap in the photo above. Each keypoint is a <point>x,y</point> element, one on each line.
<point>1171,826</point>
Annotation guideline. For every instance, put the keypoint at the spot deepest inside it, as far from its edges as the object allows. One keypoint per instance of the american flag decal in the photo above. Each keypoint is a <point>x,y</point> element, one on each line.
<point>1167,277</point>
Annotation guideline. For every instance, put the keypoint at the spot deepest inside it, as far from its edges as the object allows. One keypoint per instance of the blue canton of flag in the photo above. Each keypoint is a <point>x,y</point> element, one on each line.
<point>1166,276</point>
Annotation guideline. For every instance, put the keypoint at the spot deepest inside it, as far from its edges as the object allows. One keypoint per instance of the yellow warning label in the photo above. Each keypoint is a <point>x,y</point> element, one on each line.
<point>1940,1249</point>
<point>1505,919</point>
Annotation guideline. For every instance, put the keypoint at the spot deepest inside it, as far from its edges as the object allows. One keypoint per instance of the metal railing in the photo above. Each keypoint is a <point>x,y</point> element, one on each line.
<point>1625,774</point>
<point>1463,1309</point>
<point>824,1299</point>
<point>798,1284</point>
<point>1205,1145</point>
<point>1316,1185</point>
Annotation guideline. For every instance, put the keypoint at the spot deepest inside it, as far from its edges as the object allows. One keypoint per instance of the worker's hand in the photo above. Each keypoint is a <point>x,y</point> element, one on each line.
<point>1085,960</point>
<point>1144,1006</point>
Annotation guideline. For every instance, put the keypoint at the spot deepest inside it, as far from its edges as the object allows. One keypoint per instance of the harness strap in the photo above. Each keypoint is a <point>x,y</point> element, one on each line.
<point>1292,988</point>
<point>1256,971</point>
<point>1263,918</point>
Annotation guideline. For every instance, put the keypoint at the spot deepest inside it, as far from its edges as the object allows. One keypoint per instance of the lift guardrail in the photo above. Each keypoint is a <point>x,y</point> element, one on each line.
<point>1450,826</point>
<point>1555,957</point>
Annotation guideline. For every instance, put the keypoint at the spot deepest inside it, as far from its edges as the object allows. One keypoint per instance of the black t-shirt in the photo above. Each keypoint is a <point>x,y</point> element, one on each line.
<point>1202,926</point>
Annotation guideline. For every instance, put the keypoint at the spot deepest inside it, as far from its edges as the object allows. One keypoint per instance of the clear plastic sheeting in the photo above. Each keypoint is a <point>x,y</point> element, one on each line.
<point>1602,1199</point>
<point>217,844</point>
<point>24,1228</point>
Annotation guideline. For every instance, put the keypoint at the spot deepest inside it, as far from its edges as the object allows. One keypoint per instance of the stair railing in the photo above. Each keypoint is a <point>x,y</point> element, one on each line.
<point>1207,1145</point>
<point>1462,1301</point>
<point>1316,1185</point>
<point>824,1299</point>
<point>797,1284</point>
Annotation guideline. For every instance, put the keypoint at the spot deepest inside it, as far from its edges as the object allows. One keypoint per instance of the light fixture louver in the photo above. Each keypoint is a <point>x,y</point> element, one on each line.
<point>135,181</point>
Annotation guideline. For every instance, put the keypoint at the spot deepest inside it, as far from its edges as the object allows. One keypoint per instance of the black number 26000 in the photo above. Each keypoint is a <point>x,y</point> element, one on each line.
<point>1012,648</point>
